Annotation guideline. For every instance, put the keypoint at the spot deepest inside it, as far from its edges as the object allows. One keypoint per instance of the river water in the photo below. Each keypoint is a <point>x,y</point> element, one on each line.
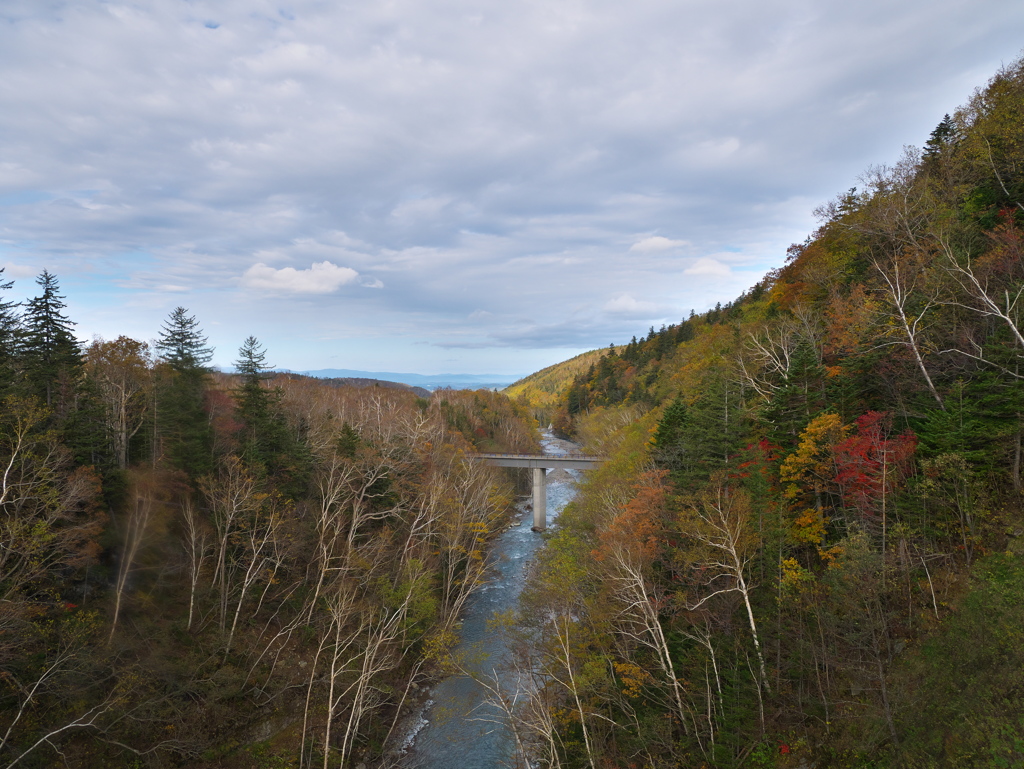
<point>457,729</point>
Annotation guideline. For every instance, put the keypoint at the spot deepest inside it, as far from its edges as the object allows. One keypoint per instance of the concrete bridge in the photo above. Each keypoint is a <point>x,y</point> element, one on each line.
<point>540,463</point>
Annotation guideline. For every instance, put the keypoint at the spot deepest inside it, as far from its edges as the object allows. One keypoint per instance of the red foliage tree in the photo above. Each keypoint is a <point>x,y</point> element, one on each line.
<point>871,465</point>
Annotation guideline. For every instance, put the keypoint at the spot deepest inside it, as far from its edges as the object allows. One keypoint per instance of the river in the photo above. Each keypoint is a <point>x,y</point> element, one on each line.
<point>457,729</point>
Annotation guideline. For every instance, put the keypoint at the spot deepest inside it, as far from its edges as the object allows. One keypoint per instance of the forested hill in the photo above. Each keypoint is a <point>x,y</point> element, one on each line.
<point>210,570</point>
<point>808,547</point>
<point>543,388</point>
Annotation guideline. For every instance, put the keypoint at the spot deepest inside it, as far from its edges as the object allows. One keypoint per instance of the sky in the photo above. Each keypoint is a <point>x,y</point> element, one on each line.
<point>449,185</point>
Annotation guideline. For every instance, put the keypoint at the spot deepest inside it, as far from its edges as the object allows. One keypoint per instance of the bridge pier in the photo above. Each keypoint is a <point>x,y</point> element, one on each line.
<point>539,463</point>
<point>540,499</point>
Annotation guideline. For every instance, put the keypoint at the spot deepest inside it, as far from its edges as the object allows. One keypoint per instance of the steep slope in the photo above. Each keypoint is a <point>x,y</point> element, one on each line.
<point>807,545</point>
<point>546,387</point>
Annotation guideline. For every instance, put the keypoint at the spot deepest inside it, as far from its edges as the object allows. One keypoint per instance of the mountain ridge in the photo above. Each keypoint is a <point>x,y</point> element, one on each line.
<point>430,381</point>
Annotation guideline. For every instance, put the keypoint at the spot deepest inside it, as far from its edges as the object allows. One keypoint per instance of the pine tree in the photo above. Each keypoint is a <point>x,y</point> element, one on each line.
<point>267,446</point>
<point>801,397</point>
<point>255,403</point>
<point>182,343</point>
<point>51,352</point>
<point>943,135</point>
<point>668,442</point>
<point>10,337</point>
<point>186,437</point>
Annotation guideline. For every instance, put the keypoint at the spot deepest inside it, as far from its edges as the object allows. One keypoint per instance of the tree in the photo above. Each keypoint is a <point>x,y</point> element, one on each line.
<point>668,441</point>
<point>10,336</point>
<point>809,475</point>
<point>266,445</point>
<point>182,343</point>
<point>719,524</point>
<point>944,135</point>
<point>693,441</point>
<point>180,420</point>
<point>628,550</point>
<point>51,351</point>
<point>870,465</point>
<point>49,524</point>
<point>121,371</point>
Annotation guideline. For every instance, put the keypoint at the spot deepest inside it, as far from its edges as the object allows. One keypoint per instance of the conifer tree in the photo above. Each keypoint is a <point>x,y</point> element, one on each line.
<point>266,445</point>
<point>255,404</point>
<point>668,440</point>
<point>51,352</point>
<point>10,336</point>
<point>180,420</point>
<point>943,135</point>
<point>182,343</point>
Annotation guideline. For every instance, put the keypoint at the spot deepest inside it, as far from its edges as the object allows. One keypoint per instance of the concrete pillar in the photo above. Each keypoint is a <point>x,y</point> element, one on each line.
<point>540,499</point>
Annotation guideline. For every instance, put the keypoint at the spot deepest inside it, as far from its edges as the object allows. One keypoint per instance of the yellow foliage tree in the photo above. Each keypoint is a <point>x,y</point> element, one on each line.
<point>809,475</point>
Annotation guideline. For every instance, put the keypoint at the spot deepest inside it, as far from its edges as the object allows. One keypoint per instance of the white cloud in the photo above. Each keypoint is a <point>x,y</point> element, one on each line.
<point>529,159</point>
<point>708,266</point>
<point>19,271</point>
<point>657,243</point>
<point>626,304</point>
<point>320,278</point>
<point>422,208</point>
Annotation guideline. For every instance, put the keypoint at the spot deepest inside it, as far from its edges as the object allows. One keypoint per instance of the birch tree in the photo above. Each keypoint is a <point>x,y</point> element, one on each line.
<point>719,525</point>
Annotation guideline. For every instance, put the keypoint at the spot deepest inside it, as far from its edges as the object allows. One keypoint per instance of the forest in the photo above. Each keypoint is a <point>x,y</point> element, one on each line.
<point>246,570</point>
<point>807,548</point>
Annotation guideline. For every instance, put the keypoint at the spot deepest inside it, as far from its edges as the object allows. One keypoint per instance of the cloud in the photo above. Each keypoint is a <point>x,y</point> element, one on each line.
<point>625,304</point>
<point>19,271</point>
<point>533,161</point>
<point>320,278</point>
<point>656,244</point>
<point>708,266</point>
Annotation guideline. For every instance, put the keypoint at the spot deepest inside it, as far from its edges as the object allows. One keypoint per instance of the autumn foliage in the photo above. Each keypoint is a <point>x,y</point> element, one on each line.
<point>810,483</point>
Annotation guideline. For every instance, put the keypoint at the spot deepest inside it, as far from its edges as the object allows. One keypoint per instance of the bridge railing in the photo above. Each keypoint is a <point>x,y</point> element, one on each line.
<point>567,455</point>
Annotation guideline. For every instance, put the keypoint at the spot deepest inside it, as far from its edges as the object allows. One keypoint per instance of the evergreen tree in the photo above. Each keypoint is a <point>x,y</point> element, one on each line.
<point>694,441</point>
<point>182,343</point>
<point>667,442</point>
<point>943,135</point>
<point>255,404</point>
<point>267,446</point>
<point>715,429</point>
<point>801,397</point>
<point>10,336</point>
<point>51,353</point>
<point>186,438</point>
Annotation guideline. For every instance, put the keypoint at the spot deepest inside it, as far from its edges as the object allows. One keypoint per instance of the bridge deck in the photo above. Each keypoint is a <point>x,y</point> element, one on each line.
<point>565,461</point>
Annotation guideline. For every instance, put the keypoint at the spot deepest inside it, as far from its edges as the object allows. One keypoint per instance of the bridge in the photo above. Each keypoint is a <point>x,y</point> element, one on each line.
<point>540,463</point>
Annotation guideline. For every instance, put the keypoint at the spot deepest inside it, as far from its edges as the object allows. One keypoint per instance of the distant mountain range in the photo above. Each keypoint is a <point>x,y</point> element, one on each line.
<point>428,381</point>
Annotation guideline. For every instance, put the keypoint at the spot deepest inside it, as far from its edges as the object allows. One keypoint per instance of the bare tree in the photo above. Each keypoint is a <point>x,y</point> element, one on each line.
<point>897,230</point>
<point>197,549</point>
<point>910,309</point>
<point>719,522</point>
<point>765,359</point>
<point>139,515</point>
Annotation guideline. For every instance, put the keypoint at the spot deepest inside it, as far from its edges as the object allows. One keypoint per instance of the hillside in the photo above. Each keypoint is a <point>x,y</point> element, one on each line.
<point>358,382</point>
<point>188,558</point>
<point>808,546</point>
<point>545,388</point>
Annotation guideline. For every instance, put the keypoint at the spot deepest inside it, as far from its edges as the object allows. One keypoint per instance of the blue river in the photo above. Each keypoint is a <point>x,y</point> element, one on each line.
<point>458,729</point>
